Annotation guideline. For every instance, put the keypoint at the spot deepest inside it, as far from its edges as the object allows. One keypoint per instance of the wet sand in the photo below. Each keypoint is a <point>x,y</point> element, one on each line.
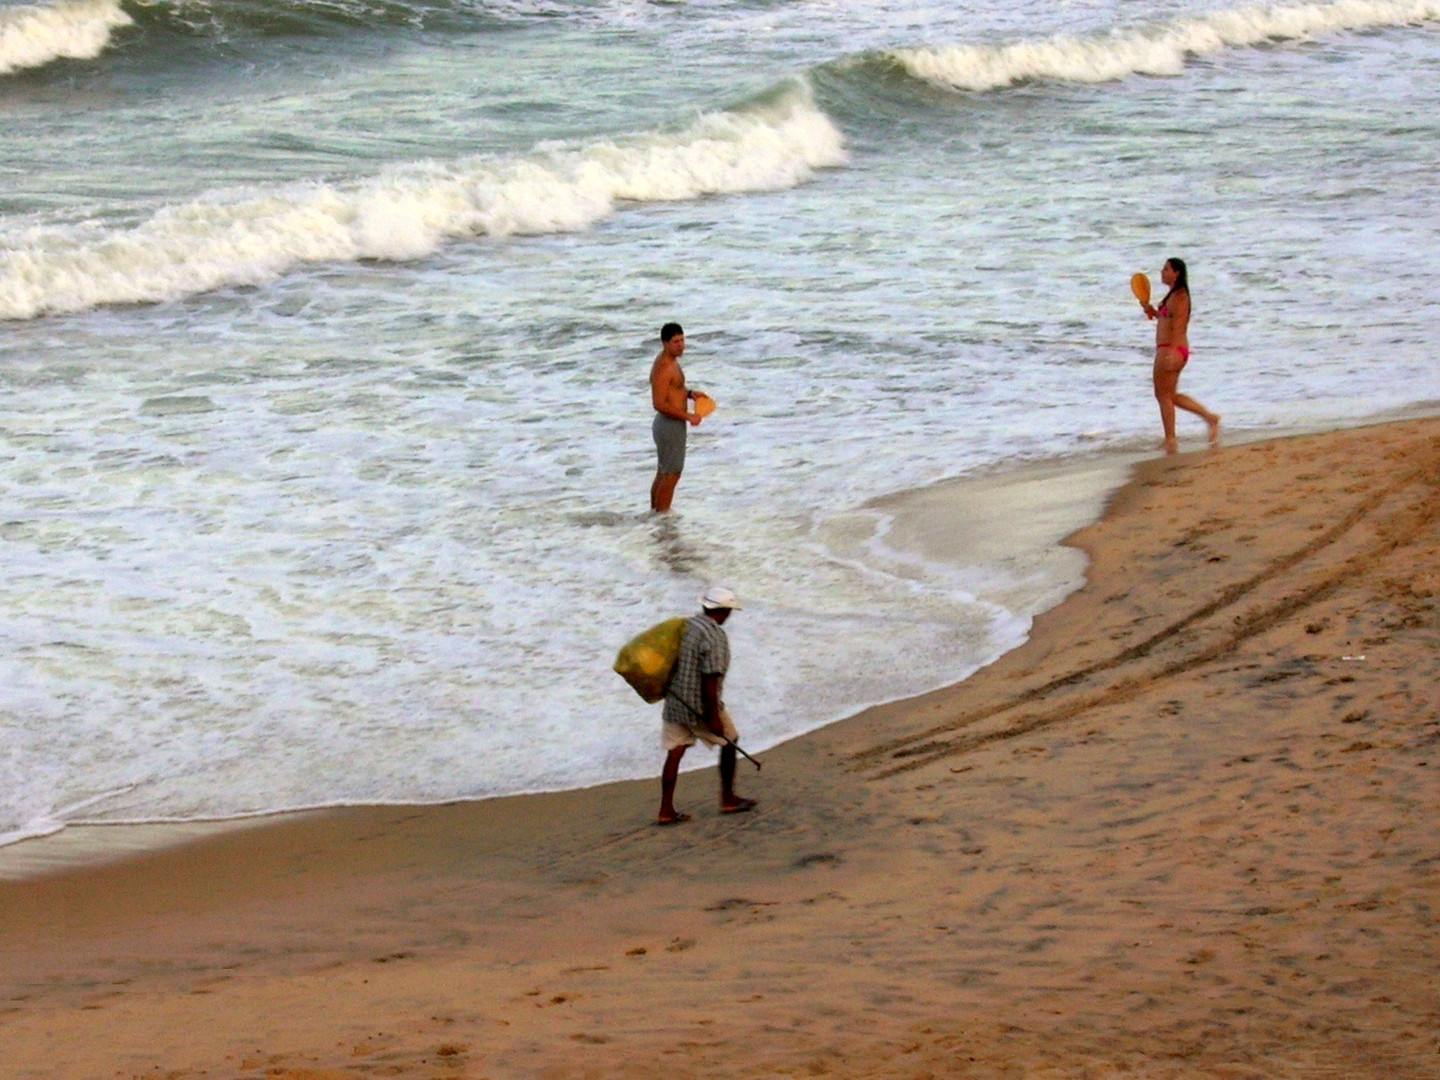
<point>1188,830</point>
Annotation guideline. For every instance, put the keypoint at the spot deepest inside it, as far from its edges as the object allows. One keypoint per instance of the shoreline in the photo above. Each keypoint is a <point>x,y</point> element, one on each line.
<point>1055,498</point>
<point>1186,830</point>
<point>936,522</point>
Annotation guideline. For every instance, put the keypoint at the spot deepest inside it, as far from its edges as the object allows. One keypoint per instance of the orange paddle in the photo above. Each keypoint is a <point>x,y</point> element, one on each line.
<point>704,404</point>
<point>1140,286</point>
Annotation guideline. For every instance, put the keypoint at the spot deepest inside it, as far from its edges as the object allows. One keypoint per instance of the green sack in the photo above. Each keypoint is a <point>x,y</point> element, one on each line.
<point>648,659</point>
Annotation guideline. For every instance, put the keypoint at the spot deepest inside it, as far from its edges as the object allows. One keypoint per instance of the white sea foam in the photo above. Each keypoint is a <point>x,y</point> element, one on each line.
<point>409,210</point>
<point>1157,51</point>
<point>32,35</point>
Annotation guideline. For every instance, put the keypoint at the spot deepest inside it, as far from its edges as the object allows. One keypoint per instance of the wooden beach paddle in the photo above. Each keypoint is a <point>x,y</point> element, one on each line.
<point>1140,286</point>
<point>704,404</point>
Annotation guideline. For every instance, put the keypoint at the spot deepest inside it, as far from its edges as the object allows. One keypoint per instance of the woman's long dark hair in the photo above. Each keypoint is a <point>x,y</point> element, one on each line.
<point>1182,281</point>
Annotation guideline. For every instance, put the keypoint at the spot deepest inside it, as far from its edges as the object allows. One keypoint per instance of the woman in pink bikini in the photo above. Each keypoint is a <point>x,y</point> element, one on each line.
<point>1172,352</point>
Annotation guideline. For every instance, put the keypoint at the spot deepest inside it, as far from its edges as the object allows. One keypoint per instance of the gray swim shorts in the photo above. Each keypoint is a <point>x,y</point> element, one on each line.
<point>669,442</point>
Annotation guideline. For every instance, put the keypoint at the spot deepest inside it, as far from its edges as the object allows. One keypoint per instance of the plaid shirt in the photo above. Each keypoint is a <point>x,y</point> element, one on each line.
<point>705,650</point>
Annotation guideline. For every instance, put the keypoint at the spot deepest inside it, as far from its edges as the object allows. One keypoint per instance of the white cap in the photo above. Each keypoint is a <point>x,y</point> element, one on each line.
<point>718,596</point>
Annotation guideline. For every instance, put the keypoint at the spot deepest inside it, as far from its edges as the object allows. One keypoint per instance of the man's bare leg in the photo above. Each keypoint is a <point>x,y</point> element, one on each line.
<point>668,776</point>
<point>662,491</point>
<point>730,803</point>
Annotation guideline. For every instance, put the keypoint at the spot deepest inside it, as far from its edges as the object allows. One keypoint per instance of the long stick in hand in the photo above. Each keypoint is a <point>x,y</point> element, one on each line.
<point>746,756</point>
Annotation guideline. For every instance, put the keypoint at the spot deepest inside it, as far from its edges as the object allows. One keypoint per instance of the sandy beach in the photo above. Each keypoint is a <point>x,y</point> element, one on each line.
<point>1187,830</point>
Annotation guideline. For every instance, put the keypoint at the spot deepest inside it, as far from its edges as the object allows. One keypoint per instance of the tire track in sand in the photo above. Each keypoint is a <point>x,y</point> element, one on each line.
<point>1398,528</point>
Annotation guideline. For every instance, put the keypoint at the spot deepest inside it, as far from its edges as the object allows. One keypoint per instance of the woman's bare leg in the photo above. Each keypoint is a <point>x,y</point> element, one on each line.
<point>1166,380</point>
<point>1168,366</point>
<point>1189,404</point>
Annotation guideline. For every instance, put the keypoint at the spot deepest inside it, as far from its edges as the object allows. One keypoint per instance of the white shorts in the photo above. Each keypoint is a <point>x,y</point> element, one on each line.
<point>674,736</point>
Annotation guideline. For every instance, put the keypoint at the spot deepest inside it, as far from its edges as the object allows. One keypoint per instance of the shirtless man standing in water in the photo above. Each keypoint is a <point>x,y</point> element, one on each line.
<point>1172,353</point>
<point>672,413</point>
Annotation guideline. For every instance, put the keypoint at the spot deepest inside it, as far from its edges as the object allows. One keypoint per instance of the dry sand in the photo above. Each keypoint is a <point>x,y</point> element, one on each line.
<point>1189,830</point>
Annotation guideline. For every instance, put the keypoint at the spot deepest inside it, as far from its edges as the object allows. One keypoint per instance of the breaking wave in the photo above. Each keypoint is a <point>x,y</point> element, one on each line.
<point>245,238</point>
<point>32,35</point>
<point>1158,51</point>
<point>35,34</point>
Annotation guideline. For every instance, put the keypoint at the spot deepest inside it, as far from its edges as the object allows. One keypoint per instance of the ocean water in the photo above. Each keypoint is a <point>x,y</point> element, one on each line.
<point>325,327</point>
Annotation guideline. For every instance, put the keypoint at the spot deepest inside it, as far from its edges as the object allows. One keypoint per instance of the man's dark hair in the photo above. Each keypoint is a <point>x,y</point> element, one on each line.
<point>669,330</point>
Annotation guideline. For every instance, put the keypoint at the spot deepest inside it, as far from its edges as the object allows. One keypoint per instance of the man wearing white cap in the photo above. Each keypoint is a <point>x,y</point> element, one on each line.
<point>694,710</point>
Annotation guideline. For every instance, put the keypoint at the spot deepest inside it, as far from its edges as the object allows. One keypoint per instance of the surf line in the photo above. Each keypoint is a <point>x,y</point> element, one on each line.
<point>1160,50</point>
